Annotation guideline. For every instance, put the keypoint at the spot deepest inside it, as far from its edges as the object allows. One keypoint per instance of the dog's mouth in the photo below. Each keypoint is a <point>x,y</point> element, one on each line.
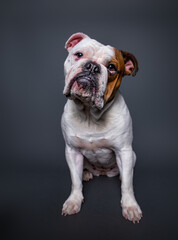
<point>83,86</point>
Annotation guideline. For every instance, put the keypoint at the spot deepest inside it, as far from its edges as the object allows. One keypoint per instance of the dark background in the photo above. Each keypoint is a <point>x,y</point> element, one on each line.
<point>35,179</point>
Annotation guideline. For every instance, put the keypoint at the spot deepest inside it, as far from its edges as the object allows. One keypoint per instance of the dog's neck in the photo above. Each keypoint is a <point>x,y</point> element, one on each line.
<point>92,112</point>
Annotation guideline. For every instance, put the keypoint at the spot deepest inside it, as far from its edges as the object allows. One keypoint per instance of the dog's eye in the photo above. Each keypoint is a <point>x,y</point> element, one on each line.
<point>78,54</point>
<point>112,69</point>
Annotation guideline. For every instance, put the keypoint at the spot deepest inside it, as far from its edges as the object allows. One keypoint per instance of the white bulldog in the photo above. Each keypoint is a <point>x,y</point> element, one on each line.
<point>96,122</point>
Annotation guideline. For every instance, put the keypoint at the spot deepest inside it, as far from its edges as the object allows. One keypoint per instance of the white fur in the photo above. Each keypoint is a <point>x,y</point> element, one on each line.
<point>100,138</point>
<point>94,51</point>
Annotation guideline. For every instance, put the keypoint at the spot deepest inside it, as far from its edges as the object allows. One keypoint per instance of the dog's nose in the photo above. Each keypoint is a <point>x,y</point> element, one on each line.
<point>92,67</point>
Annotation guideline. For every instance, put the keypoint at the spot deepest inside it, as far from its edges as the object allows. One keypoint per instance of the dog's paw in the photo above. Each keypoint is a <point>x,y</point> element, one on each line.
<point>71,206</point>
<point>87,175</point>
<point>132,213</point>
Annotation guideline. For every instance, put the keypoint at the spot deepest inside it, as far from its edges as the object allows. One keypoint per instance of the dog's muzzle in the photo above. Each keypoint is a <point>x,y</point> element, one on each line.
<point>88,77</point>
<point>88,85</point>
<point>86,82</point>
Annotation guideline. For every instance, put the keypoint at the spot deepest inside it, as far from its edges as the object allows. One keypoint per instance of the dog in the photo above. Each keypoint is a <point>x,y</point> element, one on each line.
<point>96,123</point>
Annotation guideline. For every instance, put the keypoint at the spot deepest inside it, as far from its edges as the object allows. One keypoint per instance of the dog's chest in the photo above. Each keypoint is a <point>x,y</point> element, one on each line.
<point>95,149</point>
<point>93,142</point>
<point>97,140</point>
<point>88,142</point>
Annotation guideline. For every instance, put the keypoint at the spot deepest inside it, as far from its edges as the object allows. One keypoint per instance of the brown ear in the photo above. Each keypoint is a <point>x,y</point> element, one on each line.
<point>130,62</point>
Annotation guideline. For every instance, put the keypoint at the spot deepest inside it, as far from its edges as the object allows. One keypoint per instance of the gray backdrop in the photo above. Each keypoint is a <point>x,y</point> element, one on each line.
<point>35,178</point>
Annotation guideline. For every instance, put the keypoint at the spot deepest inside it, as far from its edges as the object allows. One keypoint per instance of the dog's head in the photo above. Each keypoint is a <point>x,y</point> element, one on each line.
<point>93,71</point>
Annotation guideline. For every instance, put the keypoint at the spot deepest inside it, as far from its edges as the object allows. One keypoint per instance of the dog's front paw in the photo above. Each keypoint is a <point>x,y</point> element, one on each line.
<point>132,212</point>
<point>72,206</point>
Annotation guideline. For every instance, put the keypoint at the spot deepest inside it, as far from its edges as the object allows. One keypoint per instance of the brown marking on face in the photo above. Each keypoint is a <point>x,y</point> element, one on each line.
<point>114,80</point>
<point>126,64</point>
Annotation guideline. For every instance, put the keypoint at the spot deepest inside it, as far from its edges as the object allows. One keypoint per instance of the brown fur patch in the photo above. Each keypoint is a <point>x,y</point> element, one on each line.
<point>114,81</point>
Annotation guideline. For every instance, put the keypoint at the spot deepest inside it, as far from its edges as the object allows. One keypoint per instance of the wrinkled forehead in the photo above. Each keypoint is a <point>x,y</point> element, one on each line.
<point>95,51</point>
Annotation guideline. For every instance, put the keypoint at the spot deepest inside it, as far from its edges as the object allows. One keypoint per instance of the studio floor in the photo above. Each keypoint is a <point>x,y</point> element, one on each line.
<point>32,198</point>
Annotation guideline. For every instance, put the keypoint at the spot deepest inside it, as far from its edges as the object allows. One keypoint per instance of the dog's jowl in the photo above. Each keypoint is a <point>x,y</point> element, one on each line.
<point>96,122</point>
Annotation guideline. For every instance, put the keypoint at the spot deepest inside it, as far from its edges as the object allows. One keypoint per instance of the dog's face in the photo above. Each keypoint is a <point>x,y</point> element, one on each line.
<point>93,71</point>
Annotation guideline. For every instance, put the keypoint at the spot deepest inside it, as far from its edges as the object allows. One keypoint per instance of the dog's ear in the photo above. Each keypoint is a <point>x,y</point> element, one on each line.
<point>74,39</point>
<point>130,62</point>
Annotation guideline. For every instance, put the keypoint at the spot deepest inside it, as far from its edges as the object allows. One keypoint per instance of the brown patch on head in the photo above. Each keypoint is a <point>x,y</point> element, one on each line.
<point>125,64</point>
<point>114,80</point>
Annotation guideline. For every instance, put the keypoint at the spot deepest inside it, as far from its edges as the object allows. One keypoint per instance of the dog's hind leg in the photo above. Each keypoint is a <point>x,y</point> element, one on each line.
<point>87,175</point>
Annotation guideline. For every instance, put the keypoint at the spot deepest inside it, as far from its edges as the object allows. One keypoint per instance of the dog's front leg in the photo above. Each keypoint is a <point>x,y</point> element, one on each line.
<point>130,208</point>
<point>75,162</point>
